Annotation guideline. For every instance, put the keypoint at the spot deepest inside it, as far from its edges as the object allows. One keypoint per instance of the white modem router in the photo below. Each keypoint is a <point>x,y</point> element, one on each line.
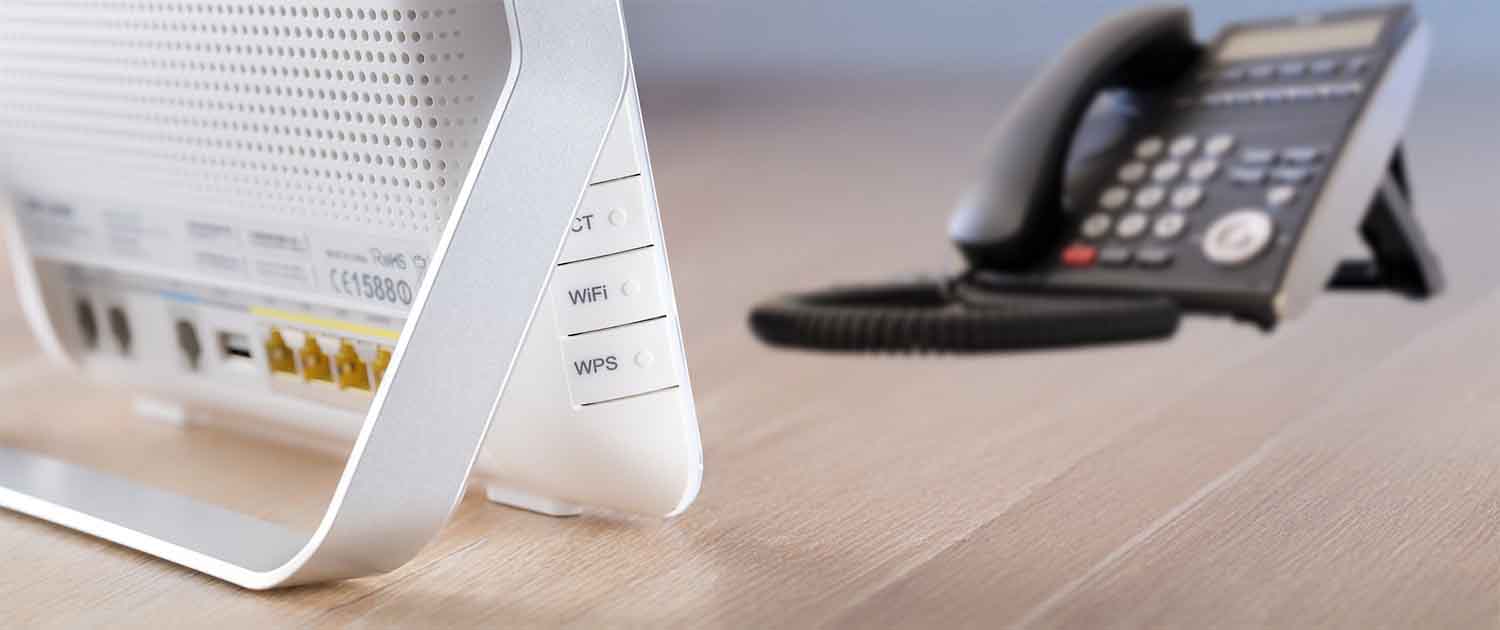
<point>354,219</point>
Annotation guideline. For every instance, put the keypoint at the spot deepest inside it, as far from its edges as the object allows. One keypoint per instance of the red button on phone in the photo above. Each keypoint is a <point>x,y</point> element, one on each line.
<point>1080,255</point>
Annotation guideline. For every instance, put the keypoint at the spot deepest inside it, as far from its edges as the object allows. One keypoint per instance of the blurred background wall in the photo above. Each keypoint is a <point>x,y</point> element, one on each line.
<point>712,38</point>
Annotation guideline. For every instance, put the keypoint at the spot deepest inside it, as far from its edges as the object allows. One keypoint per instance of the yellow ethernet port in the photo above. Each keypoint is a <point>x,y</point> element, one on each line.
<point>315,364</point>
<point>279,355</point>
<point>352,372</point>
<point>382,361</point>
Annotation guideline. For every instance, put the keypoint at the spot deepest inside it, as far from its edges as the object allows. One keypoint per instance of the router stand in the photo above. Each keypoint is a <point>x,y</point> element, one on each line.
<point>410,464</point>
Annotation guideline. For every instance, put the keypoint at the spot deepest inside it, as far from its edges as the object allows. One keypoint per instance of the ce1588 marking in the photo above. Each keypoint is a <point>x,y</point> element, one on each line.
<point>370,286</point>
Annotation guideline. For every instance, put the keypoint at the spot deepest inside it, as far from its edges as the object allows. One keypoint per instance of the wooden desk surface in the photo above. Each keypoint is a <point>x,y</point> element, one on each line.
<point>1344,471</point>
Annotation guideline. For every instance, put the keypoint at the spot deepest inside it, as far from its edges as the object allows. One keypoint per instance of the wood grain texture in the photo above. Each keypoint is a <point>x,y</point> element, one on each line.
<point>1340,472</point>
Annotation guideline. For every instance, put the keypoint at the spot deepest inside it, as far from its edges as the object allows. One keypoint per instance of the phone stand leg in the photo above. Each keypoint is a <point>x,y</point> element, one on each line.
<point>1401,260</point>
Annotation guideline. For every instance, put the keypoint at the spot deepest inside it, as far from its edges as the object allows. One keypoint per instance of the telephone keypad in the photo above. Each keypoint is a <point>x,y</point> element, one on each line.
<point>1208,191</point>
<point>1162,192</point>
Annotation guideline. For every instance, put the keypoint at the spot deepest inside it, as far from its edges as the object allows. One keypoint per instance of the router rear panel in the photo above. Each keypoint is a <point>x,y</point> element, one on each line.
<point>271,145</point>
<point>235,204</point>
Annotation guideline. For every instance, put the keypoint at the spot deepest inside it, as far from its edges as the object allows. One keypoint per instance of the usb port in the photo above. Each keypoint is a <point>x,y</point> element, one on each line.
<point>235,346</point>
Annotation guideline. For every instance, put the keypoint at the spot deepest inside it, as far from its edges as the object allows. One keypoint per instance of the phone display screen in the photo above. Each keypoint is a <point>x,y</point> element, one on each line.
<point>1255,43</point>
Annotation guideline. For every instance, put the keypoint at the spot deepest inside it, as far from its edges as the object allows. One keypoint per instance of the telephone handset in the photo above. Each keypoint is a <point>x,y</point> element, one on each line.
<point>1013,216</point>
<point>1226,177</point>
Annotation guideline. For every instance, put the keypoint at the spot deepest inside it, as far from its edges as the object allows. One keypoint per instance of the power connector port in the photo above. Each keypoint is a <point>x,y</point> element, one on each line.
<point>88,325</point>
<point>119,327</point>
<point>187,341</point>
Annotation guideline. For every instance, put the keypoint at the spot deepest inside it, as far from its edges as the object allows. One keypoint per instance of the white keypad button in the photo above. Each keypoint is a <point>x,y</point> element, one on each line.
<point>1131,225</point>
<point>1114,198</point>
<point>605,292</point>
<point>1183,146</point>
<point>1187,197</point>
<point>1150,147</point>
<point>1166,171</point>
<point>1133,172</point>
<point>1169,225</point>
<point>1096,226</point>
<point>612,219</point>
<point>1280,196</point>
<point>1219,145</point>
<point>619,362</point>
<point>1238,237</point>
<point>1203,170</point>
<point>1150,197</point>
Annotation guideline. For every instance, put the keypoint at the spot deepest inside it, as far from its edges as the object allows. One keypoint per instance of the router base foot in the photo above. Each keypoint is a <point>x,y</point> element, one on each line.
<point>540,505</point>
<point>159,410</point>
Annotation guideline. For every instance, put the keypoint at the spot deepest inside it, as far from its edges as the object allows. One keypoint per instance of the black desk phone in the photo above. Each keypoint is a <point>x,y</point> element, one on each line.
<point>1144,174</point>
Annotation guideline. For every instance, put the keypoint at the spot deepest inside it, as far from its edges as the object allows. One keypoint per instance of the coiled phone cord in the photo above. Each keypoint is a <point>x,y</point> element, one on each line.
<point>971,313</point>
